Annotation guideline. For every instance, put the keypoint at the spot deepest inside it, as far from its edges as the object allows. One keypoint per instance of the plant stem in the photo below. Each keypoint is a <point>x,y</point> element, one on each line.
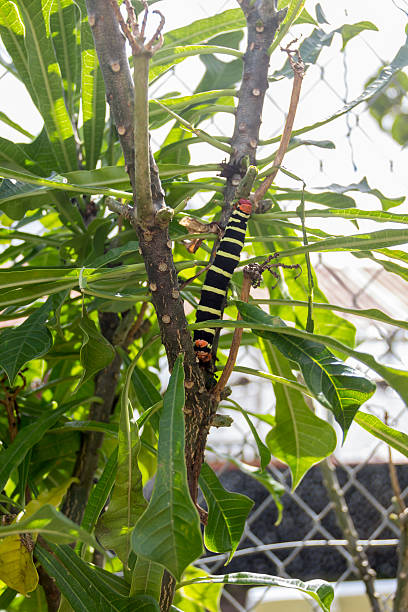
<point>262,21</point>
<point>144,202</point>
<point>341,511</point>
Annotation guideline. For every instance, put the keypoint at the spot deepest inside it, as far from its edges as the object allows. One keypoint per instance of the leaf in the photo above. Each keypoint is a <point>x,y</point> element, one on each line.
<point>72,590</point>
<point>369,313</point>
<point>320,591</point>
<point>53,525</point>
<point>203,29</point>
<point>355,242</point>
<point>265,478</point>
<point>349,31</point>
<point>46,79</point>
<point>168,57</point>
<point>326,198</point>
<point>147,578</point>
<point>203,597</point>
<point>108,593</point>
<point>169,530</point>
<point>17,568</point>
<point>394,438</point>
<point>63,28</point>
<point>96,352</point>
<point>295,8</point>
<point>399,61</point>
<point>300,438</point>
<point>264,452</point>
<point>127,503</point>
<point>12,34</point>
<point>310,50</point>
<point>338,387</point>
<point>30,340</point>
<point>364,187</point>
<point>5,119</point>
<point>320,16</point>
<point>100,493</point>
<point>227,513</point>
<point>26,438</point>
<point>93,94</point>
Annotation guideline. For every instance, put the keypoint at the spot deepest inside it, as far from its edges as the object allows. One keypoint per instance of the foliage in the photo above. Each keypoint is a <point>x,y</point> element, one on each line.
<point>71,273</point>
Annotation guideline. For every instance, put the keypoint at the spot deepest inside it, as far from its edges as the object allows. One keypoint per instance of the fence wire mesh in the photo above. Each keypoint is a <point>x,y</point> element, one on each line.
<point>308,543</point>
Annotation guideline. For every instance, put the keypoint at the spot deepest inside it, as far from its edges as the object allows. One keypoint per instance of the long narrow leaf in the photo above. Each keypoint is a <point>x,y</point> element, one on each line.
<point>394,438</point>
<point>26,438</point>
<point>46,79</point>
<point>169,531</point>
<point>320,591</point>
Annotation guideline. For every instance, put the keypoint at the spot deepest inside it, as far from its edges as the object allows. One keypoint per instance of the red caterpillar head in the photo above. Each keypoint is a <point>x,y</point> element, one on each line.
<point>244,206</point>
<point>203,351</point>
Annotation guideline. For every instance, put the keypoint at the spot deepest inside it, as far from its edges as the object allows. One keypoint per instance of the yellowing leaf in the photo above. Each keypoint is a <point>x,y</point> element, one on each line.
<point>52,497</point>
<point>17,568</point>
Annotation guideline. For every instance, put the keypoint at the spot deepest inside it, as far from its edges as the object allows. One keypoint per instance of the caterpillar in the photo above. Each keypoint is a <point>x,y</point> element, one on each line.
<point>218,277</point>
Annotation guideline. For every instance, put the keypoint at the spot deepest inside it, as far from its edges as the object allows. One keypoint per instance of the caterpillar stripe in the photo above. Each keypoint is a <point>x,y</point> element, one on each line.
<point>216,282</point>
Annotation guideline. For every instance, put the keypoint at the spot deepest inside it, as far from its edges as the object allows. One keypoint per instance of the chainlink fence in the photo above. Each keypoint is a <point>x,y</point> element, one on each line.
<point>308,543</point>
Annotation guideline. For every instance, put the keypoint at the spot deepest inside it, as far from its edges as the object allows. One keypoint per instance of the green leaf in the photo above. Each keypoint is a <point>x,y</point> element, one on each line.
<point>46,79</point>
<point>394,438</point>
<point>369,313</point>
<point>96,352</point>
<point>364,187</point>
<point>227,513</point>
<point>5,119</point>
<point>203,29</point>
<point>12,35</point>
<point>300,438</point>
<point>349,31</point>
<point>109,595</point>
<point>169,530</point>
<point>295,8</point>
<point>72,590</point>
<point>198,598</point>
<point>264,452</point>
<point>167,57</point>
<point>355,214</point>
<point>53,525</point>
<point>310,50</point>
<point>320,591</point>
<point>63,27</point>
<point>326,198</point>
<point>93,94</point>
<point>127,503</point>
<point>337,386</point>
<point>265,478</point>
<point>100,493</point>
<point>399,61</point>
<point>355,242</point>
<point>30,340</point>
<point>26,438</point>
<point>147,578</point>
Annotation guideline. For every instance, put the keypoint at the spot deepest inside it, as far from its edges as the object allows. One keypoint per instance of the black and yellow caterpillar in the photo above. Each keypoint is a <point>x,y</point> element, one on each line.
<point>218,277</point>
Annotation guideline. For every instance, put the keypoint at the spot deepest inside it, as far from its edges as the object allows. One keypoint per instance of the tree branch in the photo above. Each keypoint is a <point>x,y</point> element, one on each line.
<point>341,511</point>
<point>262,20</point>
<point>298,68</point>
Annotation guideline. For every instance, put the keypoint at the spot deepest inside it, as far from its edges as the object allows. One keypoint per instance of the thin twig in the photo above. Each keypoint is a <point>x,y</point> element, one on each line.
<point>236,341</point>
<point>298,68</point>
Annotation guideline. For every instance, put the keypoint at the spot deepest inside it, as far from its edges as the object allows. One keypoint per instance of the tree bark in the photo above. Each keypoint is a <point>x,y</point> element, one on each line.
<point>262,22</point>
